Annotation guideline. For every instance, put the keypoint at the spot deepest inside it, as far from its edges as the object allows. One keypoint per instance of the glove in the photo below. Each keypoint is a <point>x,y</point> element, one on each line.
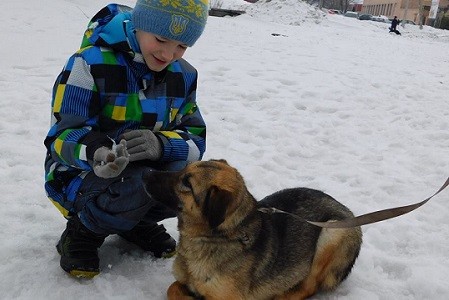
<point>142,144</point>
<point>109,163</point>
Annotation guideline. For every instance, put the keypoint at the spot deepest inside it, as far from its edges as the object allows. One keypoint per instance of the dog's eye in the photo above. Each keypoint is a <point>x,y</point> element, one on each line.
<point>186,183</point>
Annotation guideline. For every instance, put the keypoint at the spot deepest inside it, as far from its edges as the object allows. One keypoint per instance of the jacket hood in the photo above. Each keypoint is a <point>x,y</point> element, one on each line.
<point>112,27</point>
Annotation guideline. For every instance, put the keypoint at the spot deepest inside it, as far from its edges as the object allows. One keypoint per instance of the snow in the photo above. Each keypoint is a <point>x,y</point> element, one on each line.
<point>328,102</point>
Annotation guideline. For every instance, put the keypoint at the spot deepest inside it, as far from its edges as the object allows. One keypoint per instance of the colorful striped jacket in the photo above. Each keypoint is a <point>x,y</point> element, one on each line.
<point>106,88</point>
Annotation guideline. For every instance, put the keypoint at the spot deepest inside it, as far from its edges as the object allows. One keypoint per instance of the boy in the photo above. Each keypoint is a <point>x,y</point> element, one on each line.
<point>394,24</point>
<point>123,103</point>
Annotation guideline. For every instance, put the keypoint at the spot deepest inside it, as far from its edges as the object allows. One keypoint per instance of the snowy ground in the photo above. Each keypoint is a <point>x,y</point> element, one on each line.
<point>327,102</point>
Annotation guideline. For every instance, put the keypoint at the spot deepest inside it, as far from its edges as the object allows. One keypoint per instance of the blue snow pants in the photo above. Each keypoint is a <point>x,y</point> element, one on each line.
<point>115,205</point>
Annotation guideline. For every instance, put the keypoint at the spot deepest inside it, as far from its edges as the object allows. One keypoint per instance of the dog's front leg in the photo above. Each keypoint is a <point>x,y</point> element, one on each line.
<point>178,291</point>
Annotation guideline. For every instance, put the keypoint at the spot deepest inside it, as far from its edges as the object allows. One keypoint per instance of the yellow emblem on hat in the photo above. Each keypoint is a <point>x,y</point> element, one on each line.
<point>178,24</point>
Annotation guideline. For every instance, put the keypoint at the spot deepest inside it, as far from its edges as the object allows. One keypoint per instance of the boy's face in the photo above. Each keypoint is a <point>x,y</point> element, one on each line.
<point>158,51</point>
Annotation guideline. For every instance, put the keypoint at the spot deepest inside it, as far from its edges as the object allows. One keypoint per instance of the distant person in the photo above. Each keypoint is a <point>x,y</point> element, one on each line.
<point>125,102</point>
<point>394,25</point>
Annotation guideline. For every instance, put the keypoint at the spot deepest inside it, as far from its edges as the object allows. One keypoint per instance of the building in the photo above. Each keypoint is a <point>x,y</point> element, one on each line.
<point>406,9</point>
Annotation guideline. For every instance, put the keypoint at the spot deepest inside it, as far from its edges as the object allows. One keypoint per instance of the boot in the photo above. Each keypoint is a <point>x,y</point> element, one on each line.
<point>151,237</point>
<point>78,248</point>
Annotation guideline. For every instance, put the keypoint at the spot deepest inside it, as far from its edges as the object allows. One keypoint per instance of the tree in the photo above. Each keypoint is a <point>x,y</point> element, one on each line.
<point>335,4</point>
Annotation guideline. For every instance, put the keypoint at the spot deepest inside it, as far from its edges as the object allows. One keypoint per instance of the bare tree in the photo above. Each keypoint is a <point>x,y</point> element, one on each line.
<point>334,4</point>
<point>216,3</point>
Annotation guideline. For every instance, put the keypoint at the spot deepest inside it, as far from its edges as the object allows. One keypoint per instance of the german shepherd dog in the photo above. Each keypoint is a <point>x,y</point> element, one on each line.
<point>230,248</point>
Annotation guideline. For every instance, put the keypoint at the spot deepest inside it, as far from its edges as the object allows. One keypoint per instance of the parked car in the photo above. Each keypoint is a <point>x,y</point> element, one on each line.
<point>380,18</point>
<point>408,22</point>
<point>351,14</point>
<point>334,12</point>
<point>365,17</point>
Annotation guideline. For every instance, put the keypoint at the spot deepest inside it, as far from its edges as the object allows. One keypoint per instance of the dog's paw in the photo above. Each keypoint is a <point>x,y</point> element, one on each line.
<point>178,291</point>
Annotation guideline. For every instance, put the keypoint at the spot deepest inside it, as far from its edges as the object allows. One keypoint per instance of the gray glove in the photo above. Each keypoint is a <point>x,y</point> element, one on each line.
<point>142,144</point>
<point>109,163</point>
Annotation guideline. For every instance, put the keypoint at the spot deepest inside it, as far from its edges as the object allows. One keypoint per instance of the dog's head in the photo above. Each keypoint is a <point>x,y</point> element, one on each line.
<point>205,192</point>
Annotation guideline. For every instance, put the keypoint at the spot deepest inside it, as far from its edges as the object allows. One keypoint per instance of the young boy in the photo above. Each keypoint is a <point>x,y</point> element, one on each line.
<point>123,103</point>
<point>394,24</point>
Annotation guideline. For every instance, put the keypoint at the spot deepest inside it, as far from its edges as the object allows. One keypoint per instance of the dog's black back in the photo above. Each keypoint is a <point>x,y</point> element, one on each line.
<point>308,204</point>
<point>292,241</point>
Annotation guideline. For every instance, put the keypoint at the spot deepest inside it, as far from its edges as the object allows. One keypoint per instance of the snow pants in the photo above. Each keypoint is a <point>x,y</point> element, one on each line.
<point>115,205</point>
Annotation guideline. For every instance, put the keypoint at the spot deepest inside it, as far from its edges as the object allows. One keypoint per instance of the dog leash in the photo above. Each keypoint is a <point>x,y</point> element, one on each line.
<point>368,218</point>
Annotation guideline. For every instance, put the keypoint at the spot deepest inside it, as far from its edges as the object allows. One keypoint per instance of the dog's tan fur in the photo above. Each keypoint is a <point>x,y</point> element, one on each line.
<point>228,249</point>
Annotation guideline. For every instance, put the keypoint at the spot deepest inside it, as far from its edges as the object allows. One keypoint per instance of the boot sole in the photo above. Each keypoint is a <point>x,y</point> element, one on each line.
<point>167,255</point>
<point>78,273</point>
<point>83,274</point>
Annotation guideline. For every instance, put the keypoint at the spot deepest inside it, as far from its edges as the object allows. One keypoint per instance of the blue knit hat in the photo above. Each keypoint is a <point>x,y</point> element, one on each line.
<point>180,20</point>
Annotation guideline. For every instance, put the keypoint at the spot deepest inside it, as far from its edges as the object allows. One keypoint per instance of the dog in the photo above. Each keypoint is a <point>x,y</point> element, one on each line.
<point>231,248</point>
<point>394,30</point>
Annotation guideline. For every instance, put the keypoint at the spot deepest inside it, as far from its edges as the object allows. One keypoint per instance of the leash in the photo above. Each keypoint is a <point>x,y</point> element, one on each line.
<point>368,218</point>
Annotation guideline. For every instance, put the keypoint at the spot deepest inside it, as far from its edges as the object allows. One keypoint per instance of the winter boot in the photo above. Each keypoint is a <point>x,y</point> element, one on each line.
<point>151,237</point>
<point>78,248</point>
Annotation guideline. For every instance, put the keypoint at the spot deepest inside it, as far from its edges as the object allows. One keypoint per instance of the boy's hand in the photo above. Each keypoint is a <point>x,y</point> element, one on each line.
<point>142,144</point>
<point>109,163</point>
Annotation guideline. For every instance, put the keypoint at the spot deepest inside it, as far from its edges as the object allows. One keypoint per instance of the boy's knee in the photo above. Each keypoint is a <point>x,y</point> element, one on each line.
<point>117,208</point>
<point>117,205</point>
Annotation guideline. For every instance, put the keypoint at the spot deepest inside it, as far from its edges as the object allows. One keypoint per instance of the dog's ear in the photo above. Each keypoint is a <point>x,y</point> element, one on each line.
<point>215,206</point>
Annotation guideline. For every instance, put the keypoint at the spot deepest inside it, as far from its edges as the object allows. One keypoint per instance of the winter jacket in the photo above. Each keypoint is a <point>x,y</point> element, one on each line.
<point>394,24</point>
<point>104,89</point>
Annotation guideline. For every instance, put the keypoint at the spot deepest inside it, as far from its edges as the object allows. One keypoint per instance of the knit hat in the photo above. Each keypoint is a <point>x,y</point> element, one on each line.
<point>180,20</point>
